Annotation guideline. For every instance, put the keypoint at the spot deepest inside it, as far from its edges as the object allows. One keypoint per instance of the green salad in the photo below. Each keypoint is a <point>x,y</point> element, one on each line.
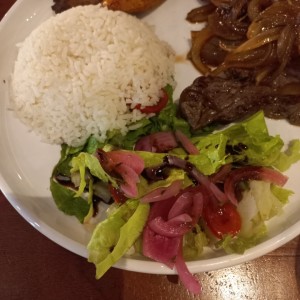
<point>171,192</point>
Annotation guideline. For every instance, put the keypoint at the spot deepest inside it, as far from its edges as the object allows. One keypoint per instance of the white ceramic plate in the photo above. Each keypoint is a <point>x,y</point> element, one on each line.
<point>26,163</point>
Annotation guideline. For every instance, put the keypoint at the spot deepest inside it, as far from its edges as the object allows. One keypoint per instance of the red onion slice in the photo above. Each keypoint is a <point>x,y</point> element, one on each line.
<point>222,173</point>
<point>134,161</point>
<point>186,143</point>
<point>189,281</point>
<point>163,193</point>
<point>128,165</point>
<point>144,144</point>
<point>168,249</point>
<point>182,205</point>
<point>160,142</point>
<point>198,201</point>
<point>196,175</point>
<point>183,218</point>
<point>163,141</point>
<point>273,176</point>
<point>251,173</point>
<point>160,248</point>
<point>130,177</point>
<point>169,229</point>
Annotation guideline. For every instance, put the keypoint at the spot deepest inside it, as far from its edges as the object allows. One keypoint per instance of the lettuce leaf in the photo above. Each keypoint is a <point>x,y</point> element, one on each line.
<point>66,201</point>
<point>247,142</point>
<point>85,161</point>
<point>204,162</point>
<point>113,237</point>
<point>255,145</point>
<point>282,194</point>
<point>240,244</point>
<point>194,243</point>
<point>260,203</point>
<point>66,198</point>
<point>268,205</point>
<point>289,157</point>
<point>144,187</point>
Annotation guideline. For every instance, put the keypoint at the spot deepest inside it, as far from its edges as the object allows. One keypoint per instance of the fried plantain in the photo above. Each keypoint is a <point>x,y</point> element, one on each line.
<point>129,6</point>
<point>132,6</point>
<point>62,5</point>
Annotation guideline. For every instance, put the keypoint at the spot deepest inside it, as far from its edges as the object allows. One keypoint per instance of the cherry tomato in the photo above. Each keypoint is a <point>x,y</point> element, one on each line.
<point>223,219</point>
<point>117,195</point>
<point>163,101</point>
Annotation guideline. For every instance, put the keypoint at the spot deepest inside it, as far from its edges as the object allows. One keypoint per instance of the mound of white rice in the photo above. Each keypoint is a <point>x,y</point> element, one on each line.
<point>81,71</point>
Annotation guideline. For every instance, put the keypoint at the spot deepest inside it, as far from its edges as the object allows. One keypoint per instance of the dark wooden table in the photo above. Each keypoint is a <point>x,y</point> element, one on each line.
<point>33,267</point>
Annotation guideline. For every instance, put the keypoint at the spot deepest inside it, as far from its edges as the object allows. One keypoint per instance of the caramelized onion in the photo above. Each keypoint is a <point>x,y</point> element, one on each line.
<point>284,47</point>
<point>229,45</point>
<point>278,14</point>
<point>199,38</point>
<point>237,9</point>
<point>255,7</point>
<point>259,35</point>
<point>263,73</point>
<point>257,44</point>
<point>213,53</point>
<point>223,25</point>
<point>201,13</point>
<point>248,59</point>
<point>260,40</point>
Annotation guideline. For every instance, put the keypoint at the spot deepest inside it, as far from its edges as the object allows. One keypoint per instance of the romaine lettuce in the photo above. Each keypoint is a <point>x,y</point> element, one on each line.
<point>113,237</point>
<point>247,142</point>
<point>194,243</point>
<point>289,157</point>
<point>260,202</point>
<point>85,161</point>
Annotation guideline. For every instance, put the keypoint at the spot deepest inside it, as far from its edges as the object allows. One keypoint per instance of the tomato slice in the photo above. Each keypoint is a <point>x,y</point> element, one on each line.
<point>163,101</point>
<point>223,219</point>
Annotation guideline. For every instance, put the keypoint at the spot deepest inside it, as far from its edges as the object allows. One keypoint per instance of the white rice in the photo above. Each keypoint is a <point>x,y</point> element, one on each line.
<point>81,71</point>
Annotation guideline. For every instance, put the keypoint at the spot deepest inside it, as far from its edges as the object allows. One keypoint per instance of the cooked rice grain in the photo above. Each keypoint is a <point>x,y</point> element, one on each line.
<point>81,71</point>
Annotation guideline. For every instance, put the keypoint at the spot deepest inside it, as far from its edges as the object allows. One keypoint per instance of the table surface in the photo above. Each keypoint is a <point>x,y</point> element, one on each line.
<point>33,267</point>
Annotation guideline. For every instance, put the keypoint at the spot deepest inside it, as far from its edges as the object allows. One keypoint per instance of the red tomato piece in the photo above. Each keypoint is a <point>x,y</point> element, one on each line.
<point>223,219</point>
<point>163,101</point>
